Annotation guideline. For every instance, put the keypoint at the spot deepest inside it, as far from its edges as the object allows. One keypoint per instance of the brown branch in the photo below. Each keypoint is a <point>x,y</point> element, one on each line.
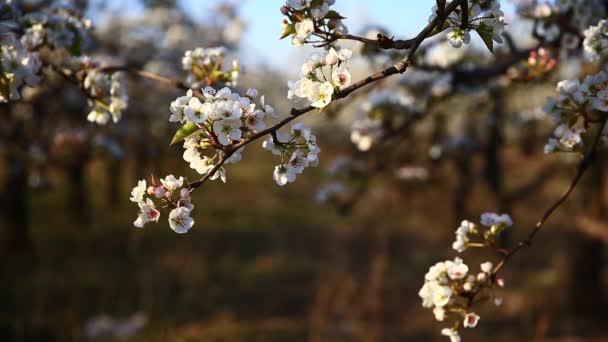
<point>144,74</point>
<point>582,167</point>
<point>382,42</point>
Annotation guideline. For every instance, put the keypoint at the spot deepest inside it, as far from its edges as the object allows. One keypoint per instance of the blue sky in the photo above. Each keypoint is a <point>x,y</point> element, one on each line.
<point>403,18</point>
<point>263,18</point>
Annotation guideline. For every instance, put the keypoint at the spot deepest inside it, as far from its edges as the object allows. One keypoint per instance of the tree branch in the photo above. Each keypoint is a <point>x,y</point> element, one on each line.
<point>582,167</point>
<point>398,68</point>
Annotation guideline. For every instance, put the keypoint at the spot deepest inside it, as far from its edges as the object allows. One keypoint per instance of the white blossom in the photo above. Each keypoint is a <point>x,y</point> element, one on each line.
<point>470,320</point>
<point>228,130</point>
<point>283,175</point>
<point>491,219</point>
<point>171,183</point>
<point>138,192</point>
<point>147,213</point>
<point>452,334</point>
<point>180,220</point>
<point>320,95</point>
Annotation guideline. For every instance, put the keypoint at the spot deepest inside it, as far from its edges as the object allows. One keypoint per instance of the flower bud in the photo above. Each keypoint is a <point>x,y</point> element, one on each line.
<point>486,267</point>
<point>481,277</point>
<point>500,282</point>
<point>159,192</point>
<point>467,286</point>
<point>184,193</point>
<point>252,93</point>
<point>284,10</point>
<point>150,190</point>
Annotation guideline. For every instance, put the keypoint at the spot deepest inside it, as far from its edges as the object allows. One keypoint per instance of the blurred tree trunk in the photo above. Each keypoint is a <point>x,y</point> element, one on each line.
<point>15,197</point>
<point>463,160</point>
<point>77,195</point>
<point>586,293</point>
<point>493,168</point>
<point>114,173</point>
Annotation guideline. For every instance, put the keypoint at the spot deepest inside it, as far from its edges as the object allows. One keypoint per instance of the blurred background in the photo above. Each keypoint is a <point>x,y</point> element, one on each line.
<point>340,254</point>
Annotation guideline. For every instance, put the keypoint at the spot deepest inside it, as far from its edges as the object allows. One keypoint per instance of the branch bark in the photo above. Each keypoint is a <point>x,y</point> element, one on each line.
<point>582,167</point>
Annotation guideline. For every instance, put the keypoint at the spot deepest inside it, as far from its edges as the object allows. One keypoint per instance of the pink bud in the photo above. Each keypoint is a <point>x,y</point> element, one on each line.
<point>185,193</point>
<point>284,10</point>
<point>252,93</point>
<point>500,282</point>
<point>159,192</point>
<point>481,277</point>
<point>150,190</point>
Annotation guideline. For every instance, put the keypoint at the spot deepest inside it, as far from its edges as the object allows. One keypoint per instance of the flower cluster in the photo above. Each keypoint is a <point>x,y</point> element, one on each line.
<point>298,150</point>
<point>580,13</point>
<point>493,224</point>
<point>17,69</point>
<point>204,67</point>
<point>596,40</point>
<point>218,119</point>
<point>539,63</point>
<point>308,17</point>
<point>485,17</point>
<point>450,290</point>
<point>58,26</point>
<point>107,96</point>
<point>170,192</point>
<point>320,76</point>
<point>576,104</point>
<point>382,109</point>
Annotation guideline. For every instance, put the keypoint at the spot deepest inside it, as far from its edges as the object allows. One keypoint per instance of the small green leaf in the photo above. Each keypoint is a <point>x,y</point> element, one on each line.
<point>288,30</point>
<point>182,133</point>
<point>486,32</point>
<point>334,15</point>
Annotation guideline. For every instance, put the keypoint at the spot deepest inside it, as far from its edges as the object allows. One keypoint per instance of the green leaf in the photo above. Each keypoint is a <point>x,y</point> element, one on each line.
<point>182,133</point>
<point>288,30</point>
<point>334,15</point>
<point>486,32</point>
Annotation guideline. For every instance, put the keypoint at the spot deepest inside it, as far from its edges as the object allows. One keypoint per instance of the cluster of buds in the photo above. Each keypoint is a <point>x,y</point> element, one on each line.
<point>215,121</point>
<point>171,193</point>
<point>297,150</point>
<point>320,76</point>
<point>205,67</point>
<point>576,105</point>
<point>310,17</point>
<point>107,96</point>
<point>539,63</point>
<point>470,234</point>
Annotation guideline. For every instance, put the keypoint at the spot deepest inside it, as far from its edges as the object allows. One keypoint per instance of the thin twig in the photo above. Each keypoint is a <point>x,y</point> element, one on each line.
<point>582,167</point>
